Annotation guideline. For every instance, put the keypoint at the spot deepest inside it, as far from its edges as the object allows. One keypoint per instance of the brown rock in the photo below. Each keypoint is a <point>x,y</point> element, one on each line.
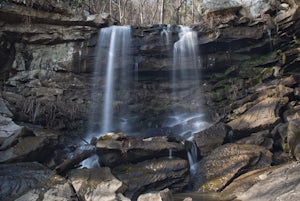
<point>262,138</point>
<point>223,164</point>
<point>95,184</point>
<point>164,195</point>
<point>280,183</point>
<point>261,116</point>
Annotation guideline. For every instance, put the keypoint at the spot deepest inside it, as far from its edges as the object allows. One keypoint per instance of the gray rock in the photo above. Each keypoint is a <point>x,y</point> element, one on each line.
<point>223,164</point>
<point>293,136</point>
<point>4,111</point>
<point>33,182</point>
<point>210,138</point>
<point>9,131</point>
<point>164,195</point>
<point>254,8</point>
<point>153,175</point>
<point>31,147</point>
<point>56,188</point>
<point>95,184</point>
<point>262,138</point>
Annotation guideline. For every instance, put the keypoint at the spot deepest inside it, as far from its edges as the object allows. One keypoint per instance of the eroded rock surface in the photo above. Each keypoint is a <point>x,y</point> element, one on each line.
<point>223,164</point>
<point>261,116</point>
<point>279,183</point>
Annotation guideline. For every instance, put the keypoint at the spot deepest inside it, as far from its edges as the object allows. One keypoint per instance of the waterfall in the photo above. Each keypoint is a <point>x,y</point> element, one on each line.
<point>112,70</point>
<point>185,58</point>
<point>166,36</point>
<point>270,39</point>
<point>187,116</point>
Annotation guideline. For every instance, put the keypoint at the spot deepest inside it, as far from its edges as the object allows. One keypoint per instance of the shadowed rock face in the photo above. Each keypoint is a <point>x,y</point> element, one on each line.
<point>211,138</point>
<point>155,174</point>
<point>33,181</point>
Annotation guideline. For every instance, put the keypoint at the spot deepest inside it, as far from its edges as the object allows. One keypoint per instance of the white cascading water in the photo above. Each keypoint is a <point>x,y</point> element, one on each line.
<point>186,73</point>
<point>111,64</point>
<point>112,61</point>
<point>166,35</point>
<point>118,51</point>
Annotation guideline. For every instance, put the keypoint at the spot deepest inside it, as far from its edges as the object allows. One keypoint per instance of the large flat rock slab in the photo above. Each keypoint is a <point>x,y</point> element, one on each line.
<point>279,183</point>
<point>153,175</point>
<point>261,116</point>
<point>121,150</point>
<point>225,163</point>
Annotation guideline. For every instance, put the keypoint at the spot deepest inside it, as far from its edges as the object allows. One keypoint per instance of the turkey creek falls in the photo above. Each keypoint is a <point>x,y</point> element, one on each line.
<point>92,109</point>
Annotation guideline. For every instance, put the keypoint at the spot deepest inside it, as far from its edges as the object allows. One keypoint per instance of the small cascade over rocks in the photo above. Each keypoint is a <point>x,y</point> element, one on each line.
<point>166,35</point>
<point>186,73</point>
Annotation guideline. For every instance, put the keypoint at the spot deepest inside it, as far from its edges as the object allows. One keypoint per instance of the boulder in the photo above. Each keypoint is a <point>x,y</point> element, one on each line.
<point>225,163</point>
<point>9,131</point>
<point>56,189</point>
<point>262,138</point>
<point>32,145</point>
<point>4,111</point>
<point>293,136</point>
<point>33,181</point>
<point>96,184</point>
<point>254,8</point>
<point>153,175</point>
<point>211,138</point>
<point>261,116</point>
<point>279,183</point>
<point>125,150</point>
<point>164,195</point>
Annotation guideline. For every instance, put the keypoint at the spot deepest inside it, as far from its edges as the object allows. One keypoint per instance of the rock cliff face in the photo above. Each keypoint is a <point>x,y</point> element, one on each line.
<point>47,56</point>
